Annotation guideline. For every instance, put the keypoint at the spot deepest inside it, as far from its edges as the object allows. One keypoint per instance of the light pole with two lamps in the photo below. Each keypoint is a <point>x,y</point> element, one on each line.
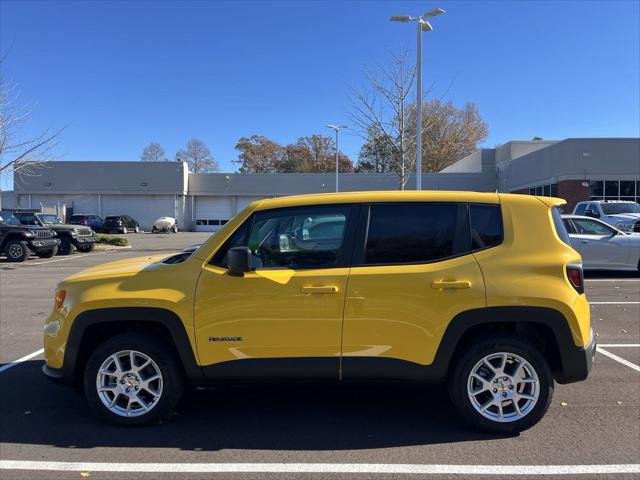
<point>337,129</point>
<point>423,26</point>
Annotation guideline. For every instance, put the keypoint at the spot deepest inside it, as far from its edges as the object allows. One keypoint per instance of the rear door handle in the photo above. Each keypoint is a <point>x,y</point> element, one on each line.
<point>323,289</point>
<point>452,284</point>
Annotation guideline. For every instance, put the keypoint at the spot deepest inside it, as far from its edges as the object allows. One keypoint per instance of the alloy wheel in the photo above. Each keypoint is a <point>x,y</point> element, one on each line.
<point>129,383</point>
<point>503,387</point>
<point>15,251</point>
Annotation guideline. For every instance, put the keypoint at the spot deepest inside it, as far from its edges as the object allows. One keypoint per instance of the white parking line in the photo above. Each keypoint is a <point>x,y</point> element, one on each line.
<point>368,468</point>
<point>618,359</point>
<point>620,345</point>
<point>20,360</point>
<point>70,257</point>
<point>614,303</point>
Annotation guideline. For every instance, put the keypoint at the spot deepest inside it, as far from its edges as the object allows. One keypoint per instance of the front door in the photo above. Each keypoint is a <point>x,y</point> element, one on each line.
<point>414,273</point>
<point>284,318</point>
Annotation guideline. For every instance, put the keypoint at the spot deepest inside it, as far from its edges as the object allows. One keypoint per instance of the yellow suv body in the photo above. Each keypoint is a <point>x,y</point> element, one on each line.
<point>480,289</point>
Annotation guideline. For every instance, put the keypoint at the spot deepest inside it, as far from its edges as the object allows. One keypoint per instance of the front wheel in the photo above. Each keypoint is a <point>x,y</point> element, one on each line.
<point>124,230</point>
<point>136,229</point>
<point>65,247</point>
<point>16,250</point>
<point>133,379</point>
<point>501,385</point>
<point>174,229</point>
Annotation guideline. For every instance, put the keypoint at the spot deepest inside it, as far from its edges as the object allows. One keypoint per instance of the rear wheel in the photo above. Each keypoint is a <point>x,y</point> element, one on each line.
<point>124,230</point>
<point>133,379</point>
<point>136,229</point>
<point>501,385</point>
<point>16,250</point>
<point>174,229</point>
<point>48,253</point>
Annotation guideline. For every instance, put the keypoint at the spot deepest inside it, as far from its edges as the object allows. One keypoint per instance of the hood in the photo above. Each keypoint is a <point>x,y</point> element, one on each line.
<point>23,228</point>
<point>61,226</point>
<point>122,268</point>
<point>625,217</point>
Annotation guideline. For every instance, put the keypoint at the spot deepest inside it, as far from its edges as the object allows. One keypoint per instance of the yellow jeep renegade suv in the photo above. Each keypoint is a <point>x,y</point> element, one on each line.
<point>479,289</point>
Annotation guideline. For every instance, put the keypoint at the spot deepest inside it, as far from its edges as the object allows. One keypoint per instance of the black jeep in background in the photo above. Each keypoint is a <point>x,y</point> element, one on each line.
<point>71,236</point>
<point>17,241</point>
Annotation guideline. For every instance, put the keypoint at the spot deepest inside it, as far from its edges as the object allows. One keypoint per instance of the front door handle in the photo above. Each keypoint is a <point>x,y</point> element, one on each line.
<point>452,284</point>
<point>323,289</point>
<point>584,241</point>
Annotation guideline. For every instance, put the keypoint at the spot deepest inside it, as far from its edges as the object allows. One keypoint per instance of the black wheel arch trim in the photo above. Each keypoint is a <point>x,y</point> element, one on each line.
<point>68,374</point>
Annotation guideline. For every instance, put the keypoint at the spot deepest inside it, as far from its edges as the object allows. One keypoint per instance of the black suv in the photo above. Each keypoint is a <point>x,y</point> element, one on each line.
<point>71,236</point>
<point>17,240</point>
<point>120,224</point>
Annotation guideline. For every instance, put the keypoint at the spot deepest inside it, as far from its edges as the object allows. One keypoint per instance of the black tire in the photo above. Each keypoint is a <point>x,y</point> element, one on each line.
<point>16,250</point>
<point>65,247</point>
<point>174,229</point>
<point>165,359</point>
<point>136,229</point>
<point>124,230</point>
<point>48,253</point>
<point>87,247</point>
<point>457,383</point>
<point>154,229</point>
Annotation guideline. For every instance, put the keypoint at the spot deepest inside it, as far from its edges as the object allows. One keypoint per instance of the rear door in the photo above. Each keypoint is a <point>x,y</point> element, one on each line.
<point>413,271</point>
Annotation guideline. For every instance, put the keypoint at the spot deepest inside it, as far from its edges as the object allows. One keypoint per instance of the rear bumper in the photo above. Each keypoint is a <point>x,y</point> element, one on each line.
<point>56,375</point>
<point>577,362</point>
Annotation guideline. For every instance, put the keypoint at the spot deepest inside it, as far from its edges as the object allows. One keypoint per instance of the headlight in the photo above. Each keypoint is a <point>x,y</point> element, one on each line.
<point>29,233</point>
<point>625,227</point>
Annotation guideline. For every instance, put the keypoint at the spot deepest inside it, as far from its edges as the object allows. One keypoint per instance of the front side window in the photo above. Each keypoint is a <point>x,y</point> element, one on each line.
<point>581,208</point>
<point>591,227</point>
<point>295,238</point>
<point>416,232</point>
<point>617,208</point>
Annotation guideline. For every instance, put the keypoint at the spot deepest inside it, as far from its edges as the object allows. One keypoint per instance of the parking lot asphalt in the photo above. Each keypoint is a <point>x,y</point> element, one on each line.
<point>306,431</point>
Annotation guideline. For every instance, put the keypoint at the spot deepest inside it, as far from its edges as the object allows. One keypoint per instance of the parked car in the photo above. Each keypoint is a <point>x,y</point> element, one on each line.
<point>623,215</point>
<point>71,236</point>
<point>120,224</point>
<point>94,221</point>
<point>18,241</point>
<point>414,286</point>
<point>165,224</point>
<point>602,246</point>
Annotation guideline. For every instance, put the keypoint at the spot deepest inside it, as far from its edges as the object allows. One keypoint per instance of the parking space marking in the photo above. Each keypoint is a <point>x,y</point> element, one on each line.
<point>618,359</point>
<point>368,468</point>
<point>20,360</point>
<point>620,345</point>
<point>614,303</point>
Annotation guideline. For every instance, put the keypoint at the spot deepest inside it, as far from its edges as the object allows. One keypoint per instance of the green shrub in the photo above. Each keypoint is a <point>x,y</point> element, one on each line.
<point>111,240</point>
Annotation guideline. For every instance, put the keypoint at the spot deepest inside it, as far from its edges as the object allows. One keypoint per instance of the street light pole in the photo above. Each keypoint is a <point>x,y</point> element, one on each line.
<point>423,26</point>
<point>337,128</point>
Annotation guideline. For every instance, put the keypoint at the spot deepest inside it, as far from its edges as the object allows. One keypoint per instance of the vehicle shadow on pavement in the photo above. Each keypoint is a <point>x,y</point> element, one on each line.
<point>35,411</point>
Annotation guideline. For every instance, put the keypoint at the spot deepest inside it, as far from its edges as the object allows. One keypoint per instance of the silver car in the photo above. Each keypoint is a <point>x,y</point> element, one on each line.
<point>602,246</point>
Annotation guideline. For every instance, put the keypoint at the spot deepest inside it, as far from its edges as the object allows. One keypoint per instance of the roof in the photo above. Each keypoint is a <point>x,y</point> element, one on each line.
<point>378,196</point>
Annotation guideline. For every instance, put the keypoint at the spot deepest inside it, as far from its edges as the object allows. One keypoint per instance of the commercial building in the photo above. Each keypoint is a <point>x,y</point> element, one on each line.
<point>576,169</point>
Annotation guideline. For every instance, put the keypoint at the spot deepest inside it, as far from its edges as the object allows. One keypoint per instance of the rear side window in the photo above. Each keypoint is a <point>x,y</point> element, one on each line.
<point>486,226</point>
<point>580,209</point>
<point>416,232</point>
<point>559,226</point>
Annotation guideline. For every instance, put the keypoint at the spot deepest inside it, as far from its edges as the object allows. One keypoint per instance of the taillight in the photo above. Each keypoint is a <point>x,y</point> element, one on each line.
<point>576,277</point>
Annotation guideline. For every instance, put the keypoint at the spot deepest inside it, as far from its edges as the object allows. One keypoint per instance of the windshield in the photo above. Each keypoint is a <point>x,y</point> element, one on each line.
<point>616,208</point>
<point>49,219</point>
<point>9,218</point>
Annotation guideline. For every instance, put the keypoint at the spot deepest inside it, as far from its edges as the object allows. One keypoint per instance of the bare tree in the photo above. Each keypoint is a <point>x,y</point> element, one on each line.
<point>153,153</point>
<point>19,154</point>
<point>381,113</point>
<point>198,157</point>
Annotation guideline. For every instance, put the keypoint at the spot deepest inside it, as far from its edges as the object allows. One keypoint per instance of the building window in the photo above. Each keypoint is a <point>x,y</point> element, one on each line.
<point>628,190</point>
<point>549,190</point>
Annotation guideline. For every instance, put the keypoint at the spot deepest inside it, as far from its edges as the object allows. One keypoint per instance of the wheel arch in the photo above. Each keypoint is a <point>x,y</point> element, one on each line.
<point>546,328</point>
<point>93,327</point>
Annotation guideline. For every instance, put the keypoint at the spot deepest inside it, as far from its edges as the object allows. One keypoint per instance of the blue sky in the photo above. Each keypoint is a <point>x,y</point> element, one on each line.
<point>123,74</point>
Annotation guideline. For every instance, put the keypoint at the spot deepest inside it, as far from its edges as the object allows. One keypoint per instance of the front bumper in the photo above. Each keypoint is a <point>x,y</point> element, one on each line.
<point>85,240</point>
<point>577,362</point>
<point>40,244</point>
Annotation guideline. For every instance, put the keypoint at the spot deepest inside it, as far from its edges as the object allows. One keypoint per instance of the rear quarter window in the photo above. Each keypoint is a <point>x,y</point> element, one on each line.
<point>486,226</point>
<point>559,226</point>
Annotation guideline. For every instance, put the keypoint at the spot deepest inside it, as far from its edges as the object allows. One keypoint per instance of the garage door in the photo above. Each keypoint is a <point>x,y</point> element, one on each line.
<point>143,208</point>
<point>212,213</point>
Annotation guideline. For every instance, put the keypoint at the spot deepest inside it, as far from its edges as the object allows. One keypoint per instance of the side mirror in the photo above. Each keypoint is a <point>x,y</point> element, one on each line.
<point>239,261</point>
